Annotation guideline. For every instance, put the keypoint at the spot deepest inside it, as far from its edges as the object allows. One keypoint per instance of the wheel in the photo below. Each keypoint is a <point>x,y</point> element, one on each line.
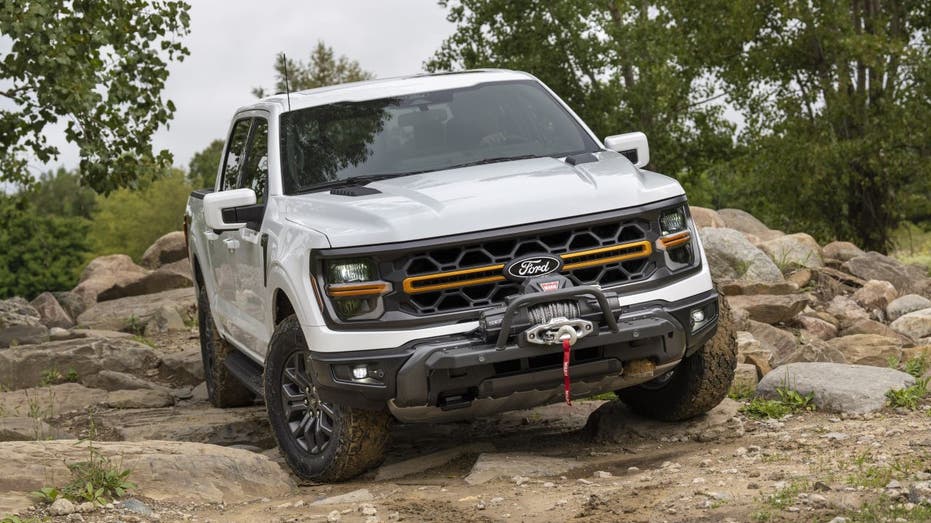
<point>320,441</point>
<point>223,389</point>
<point>696,385</point>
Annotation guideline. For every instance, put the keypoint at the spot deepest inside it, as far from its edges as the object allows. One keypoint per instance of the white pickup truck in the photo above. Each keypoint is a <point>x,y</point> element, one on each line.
<point>442,247</point>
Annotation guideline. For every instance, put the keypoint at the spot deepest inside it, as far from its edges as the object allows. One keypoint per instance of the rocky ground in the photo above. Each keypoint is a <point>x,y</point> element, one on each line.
<point>110,373</point>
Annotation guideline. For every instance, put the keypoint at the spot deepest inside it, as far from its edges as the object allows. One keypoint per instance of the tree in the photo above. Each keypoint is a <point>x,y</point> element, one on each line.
<point>837,99</point>
<point>129,221</point>
<point>60,193</point>
<point>98,66</point>
<point>202,171</point>
<point>41,252</point>
<point>323,69</point>
<point>623,66</point>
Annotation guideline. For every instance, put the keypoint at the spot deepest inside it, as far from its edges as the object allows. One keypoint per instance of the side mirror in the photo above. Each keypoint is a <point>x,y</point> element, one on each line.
<point>632,145</point>
<point>217,202</point>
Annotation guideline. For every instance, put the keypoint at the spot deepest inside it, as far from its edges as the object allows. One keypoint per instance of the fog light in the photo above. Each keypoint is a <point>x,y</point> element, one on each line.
<point>698,315</point>
<point>360,372</point>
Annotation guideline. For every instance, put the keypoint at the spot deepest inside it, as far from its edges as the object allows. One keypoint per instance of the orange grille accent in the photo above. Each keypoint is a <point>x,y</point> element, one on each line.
<point>676,240</point>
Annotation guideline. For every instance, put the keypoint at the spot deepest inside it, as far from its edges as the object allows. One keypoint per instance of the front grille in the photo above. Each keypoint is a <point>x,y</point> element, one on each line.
<point>470,276</point>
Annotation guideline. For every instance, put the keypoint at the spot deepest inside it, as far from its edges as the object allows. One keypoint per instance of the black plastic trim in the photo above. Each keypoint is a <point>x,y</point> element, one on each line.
<point>246,371</point>
<point>200,193</point>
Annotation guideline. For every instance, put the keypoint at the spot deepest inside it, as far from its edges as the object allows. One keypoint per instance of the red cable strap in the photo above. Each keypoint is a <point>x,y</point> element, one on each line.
<point>567,386</point>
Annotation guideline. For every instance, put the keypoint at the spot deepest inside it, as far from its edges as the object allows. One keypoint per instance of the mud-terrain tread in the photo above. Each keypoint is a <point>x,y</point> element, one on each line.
<point>699,383</point>
<point>223,388</point>
<point>361,435</point>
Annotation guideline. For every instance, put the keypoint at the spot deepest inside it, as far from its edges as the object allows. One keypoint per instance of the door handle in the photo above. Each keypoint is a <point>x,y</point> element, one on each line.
<point>231,244</point>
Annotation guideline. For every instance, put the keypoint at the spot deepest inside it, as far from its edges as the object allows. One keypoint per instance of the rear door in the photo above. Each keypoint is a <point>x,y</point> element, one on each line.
<point>249,259</point>
<point>220,244</point>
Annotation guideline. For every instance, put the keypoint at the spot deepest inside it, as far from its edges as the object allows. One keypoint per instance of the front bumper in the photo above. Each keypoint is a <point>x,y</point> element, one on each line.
<point>466,375</point>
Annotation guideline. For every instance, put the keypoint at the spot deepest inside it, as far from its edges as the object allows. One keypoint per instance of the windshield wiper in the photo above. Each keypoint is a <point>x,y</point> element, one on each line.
<point>496,159</point>
<point>362,179</point>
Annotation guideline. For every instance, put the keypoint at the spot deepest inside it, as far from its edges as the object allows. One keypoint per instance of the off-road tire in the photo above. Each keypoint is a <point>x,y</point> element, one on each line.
<point>223,389</point>
<point>697,385</point>
<point>358,439</point>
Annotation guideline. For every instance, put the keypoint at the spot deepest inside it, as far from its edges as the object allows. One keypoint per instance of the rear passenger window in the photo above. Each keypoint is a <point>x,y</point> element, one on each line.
<point>234,154</point>
<point>255,170</point>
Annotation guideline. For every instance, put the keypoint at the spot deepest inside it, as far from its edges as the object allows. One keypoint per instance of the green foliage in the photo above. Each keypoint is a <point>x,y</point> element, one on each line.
<point>54,376</point>
<point>61,194</point>
<point>128,222</point>
<point>41,251</point>
<point>100,67</point>
<point>323,69</point>
<point>202,171</point>
<point>47,494</point>
<point>915,366</point>
<point>909,397</point>
<point>789,402</point>
<point>97,480</point>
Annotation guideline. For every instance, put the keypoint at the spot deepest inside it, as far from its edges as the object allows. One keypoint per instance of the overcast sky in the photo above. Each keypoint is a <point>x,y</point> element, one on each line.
<point>233,47</point>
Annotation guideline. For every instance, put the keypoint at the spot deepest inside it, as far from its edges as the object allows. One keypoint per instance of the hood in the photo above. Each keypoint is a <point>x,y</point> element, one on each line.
<point>482,197</point>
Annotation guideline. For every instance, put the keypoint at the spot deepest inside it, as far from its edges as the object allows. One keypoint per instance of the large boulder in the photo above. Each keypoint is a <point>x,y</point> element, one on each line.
<point>779,342</point>
<point>20,323</point>
<point>202,424</point>
<point>846,311</point>
<point>875,295</point>
<point>24,366</point>
<point>837,387</point>
<point>169,248</point>
<point>815,350</point>
<point>737,288</point>
<point>770,308</point>
<point>183,368</point>
<point>751,351</point>
<point>105,273</point>
<point>816,326</point>
<point>868,349</point>
<point>51,313</point>
<point>45,402</point>
<point>842,251</point>
<point>747,223</point>
<point>135,312</point>
<point>906,304</point>
<point>72,303</point>
<point>864,326</point>
<point>171,471</point>
<point>915,325</point>
<point>793,251</point>
<point>907,279</point>
<point>733,258</point>
<point>704,217</point>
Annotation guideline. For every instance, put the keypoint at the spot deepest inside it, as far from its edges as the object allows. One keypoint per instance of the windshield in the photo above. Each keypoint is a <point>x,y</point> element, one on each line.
<point>425,132</point>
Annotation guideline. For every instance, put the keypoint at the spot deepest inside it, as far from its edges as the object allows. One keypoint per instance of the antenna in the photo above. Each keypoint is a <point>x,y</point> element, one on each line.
<point>287,85</point>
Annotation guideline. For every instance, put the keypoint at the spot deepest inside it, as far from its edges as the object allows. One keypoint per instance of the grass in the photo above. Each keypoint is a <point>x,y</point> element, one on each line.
<point>915,366</point>
<point>913,245</point>
<point>604,396</point>
<point>17,519</point>
<point>780,499</point>
<point>909,397</point>
<point>54,376</point>
<point>789,402</point>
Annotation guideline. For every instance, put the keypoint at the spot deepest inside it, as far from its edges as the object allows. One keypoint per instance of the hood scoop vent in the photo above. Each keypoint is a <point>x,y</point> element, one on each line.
<point>581,158</point>
<point>354,190</point>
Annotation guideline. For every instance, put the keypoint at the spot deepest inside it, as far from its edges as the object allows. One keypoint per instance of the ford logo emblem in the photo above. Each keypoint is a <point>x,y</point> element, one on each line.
<point>532,266</point>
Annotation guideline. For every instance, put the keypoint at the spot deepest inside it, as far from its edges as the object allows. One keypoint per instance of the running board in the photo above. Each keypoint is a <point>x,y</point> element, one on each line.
<point>246,371</point>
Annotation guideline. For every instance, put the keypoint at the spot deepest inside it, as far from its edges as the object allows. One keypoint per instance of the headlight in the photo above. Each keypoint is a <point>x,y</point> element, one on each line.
<point>672,221</point>
<point>354,288</point>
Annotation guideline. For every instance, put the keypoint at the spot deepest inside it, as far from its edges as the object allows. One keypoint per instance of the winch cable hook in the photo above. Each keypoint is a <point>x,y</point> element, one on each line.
<point>568,336</point>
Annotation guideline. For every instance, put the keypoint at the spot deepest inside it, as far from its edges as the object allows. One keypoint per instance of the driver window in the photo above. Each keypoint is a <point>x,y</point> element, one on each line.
<point>234,154</point>
<point>255,168</point>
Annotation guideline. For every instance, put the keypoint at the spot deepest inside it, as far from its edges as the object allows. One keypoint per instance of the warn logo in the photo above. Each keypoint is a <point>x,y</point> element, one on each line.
<point>548,286</point>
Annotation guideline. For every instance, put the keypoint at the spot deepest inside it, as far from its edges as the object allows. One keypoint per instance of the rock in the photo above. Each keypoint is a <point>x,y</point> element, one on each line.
<point>45,402</point>
<point>915,324</point>
<point>490,466</point>
<point>24,428</point>
<point>745,378</point>
<point>134,505</point>
<point>815,350</point>
<point>183,368</point>
<point>201,424</point>
<point>770,308</point>
<point>170,471</point>
<point>793,251</point>
<point>837,387</point>
<point>356,496</point>
<point>104,273</point>
<point>733,258</point>
<point>181,268</point>
<point>780,343</point>
<point>70,302</point>
<point>817,327</point>
<point>842,251</point>
<point>846,310</point>
<point>165,319</point>
<point>58,334</point>
<point>428,461</point>
<point>868,349</point>
<point>20,323</point>
<point>742,288</point>
<point>919,492</point>
<point>199,393</point>
<point>747,223</point>
<point>167,249</point>
<point>113,380</point>
<point>61,507</point>
<point>51,313</point>
<point>871,327</point>
<point>133,313</point>
<point>703,217</point>
<point>159,280</point>
<point>749,350</point>
<point>907,279</point>
<point>906,304</point>
<point>875,295</point>
<point>22,367</point>
<point>139,399</point>
<point>613,422</point>
<point>800,277</point>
